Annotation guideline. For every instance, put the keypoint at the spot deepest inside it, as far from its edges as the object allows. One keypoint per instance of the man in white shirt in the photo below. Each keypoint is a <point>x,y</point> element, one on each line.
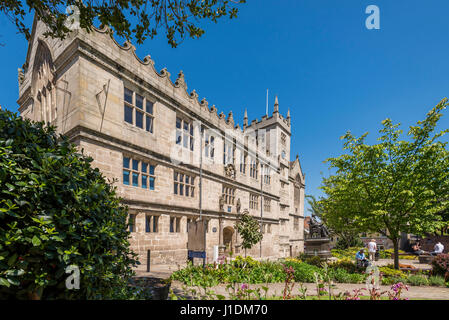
<point>372,248</point>
<point>437,249</point>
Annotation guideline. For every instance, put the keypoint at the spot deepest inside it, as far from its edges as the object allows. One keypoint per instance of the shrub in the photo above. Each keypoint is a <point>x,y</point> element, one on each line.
<point>346,264</point>
<point>345,244</point>
<point>57,211</point>
<point>241,262</point>
<point>418,280</point>
<point>437,281</point>
<point>314,261</point>
<point>440,265</point>
<point>389,271</point>
<point>340,275</point>
<point>393,280</point>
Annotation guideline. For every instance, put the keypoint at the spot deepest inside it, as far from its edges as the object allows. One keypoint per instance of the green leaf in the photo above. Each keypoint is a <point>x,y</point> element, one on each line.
<point>36,241</point>
<point>4,282</point>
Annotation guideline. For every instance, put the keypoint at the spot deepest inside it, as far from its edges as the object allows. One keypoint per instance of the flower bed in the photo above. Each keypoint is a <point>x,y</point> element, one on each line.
<point>250,271</point>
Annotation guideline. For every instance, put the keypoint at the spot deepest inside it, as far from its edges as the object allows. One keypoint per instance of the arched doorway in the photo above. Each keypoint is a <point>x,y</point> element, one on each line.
<point>228,232</point>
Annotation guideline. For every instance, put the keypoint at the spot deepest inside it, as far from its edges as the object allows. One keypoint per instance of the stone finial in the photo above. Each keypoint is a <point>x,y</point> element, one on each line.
<point>180,81</point>
<point>164,72</point>
<point>20,76</point>
<point>230,118</point>
<point>204,102</point>
<point>276,105</point>
<point>288,117</point>
<point>245,119</point>
<point>194,95</point>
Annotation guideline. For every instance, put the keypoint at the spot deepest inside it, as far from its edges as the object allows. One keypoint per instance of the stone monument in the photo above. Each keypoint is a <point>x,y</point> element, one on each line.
<point>318,242</point>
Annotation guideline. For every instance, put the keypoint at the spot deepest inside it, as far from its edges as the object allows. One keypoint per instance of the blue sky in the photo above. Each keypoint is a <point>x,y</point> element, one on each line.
<point>316,55</point>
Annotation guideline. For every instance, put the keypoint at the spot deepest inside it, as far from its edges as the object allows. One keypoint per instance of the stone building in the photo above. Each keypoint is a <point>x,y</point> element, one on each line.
<point>157,140</point>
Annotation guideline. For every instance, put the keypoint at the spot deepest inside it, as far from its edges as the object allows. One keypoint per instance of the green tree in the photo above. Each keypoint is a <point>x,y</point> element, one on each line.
<point>249,229</point>
<point>57,211</point>
<point>139,19</point>
<point>392,186</point>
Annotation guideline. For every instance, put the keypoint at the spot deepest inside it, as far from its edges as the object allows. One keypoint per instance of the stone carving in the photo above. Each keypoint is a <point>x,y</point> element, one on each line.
<point>180,81</point>
<point>239,205</point>
<point>20,76</point>
<point>222,202</point>
<point>317,229</point>
<point>230,170</point>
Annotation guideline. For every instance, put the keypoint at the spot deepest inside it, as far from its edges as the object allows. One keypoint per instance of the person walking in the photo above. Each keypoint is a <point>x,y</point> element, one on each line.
<point>372,248</point>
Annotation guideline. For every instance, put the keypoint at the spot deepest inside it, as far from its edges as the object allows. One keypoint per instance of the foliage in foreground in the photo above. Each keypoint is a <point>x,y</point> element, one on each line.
<point>129,19</point>
<point>440,265</point>
<point>57,211</point>
<point>249,271</point>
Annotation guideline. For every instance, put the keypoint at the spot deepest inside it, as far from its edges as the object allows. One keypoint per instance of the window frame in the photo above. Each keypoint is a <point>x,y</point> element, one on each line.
<point>139,173</point>
<point>253,201</point>
<point>180,185</point>
<point>183,133</point>
<point>144,110</point>
<point>229,194</point>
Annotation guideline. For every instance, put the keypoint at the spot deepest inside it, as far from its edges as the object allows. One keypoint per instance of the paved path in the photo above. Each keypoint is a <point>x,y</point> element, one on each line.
<point>414,292</point>
<point>424,292</point>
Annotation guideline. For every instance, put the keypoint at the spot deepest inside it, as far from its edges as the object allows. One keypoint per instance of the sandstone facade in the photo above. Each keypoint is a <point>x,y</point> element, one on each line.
<point>157,141</point>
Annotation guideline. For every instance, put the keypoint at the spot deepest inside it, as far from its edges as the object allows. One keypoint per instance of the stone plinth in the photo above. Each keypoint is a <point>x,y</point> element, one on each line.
<point>318,247</point>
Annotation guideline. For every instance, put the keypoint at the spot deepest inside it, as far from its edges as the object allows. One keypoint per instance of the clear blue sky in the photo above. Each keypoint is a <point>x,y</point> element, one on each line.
<point>316,55</point>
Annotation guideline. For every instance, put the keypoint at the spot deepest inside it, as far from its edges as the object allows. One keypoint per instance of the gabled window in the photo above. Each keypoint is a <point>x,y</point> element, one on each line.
<point>138,110</point>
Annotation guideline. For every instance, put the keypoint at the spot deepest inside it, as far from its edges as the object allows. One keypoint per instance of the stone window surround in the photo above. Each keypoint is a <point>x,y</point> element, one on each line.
<point>182,133</point>
<point>132,227</point>
<point>151,221</point>
<point>140,174</point>
<point>266,170</point>
<point>144,110</point>
<point>179,185</point>
<point>243,157</point>
<point>175,224</point>
<point>267,204</point>
<point>254,168</point>
<point>253,201</point>
<point>229,194</point>
<point>209,146</point>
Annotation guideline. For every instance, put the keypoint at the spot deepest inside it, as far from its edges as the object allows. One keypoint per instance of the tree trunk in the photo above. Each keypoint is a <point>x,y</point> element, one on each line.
<point>396,253</point>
